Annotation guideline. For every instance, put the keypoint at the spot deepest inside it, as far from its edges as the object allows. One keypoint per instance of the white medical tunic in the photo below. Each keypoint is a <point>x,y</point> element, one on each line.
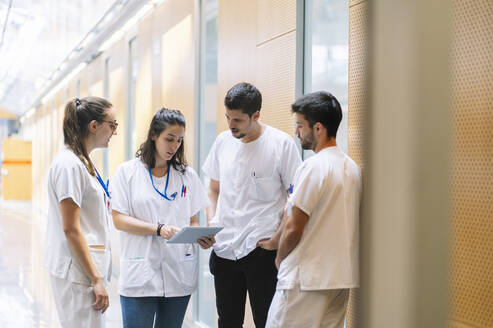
<point>328,189</point>
<point>148,265</point>
<point>69,178</point>
<point>253,179</point>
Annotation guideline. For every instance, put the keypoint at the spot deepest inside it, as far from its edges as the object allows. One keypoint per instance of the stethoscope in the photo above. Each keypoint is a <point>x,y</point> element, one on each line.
<point>165,195</point>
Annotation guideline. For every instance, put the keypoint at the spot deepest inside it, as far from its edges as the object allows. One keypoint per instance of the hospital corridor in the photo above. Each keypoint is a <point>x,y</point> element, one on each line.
<point>246,163</point>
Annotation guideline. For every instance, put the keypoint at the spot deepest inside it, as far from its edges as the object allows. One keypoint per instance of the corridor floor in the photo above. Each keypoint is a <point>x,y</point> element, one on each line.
<point>25,294</point>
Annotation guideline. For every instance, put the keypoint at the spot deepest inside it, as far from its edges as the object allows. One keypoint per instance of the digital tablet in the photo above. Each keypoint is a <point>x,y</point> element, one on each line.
<point>189,235</point>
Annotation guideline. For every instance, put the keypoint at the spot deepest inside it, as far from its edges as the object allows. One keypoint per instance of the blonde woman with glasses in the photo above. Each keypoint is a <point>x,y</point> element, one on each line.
<point>77,252</point>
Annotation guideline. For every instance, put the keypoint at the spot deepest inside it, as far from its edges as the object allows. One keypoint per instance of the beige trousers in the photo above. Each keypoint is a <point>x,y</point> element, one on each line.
<point>74,305</point>
<point>293,308</point>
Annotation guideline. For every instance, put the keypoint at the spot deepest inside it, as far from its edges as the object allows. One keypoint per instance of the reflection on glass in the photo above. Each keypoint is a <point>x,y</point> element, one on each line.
<point>326,54</point>
<point>133,71</point>
<point>206,298</point>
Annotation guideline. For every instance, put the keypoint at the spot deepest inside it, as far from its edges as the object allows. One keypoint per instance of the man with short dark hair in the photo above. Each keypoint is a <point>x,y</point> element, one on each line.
<point>251,168</point>
<point>318,249</point>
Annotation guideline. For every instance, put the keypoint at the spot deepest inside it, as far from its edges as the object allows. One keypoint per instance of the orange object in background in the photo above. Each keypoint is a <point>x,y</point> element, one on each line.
<point>16,169</point>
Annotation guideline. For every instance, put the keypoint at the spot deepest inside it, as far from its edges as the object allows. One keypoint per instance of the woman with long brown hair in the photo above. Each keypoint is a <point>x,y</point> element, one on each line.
<point>154,196</point>
<point>77,252</point>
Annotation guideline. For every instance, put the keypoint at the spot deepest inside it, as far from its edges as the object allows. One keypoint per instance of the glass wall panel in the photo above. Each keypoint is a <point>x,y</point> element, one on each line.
<point>133,68</point>
<point>206,306</point>
<point>326,54</point>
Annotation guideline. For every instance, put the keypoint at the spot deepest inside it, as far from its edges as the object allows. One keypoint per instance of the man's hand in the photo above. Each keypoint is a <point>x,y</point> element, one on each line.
<point>268,244</point>
<point>102,301</point>
<point>291,233</point>
<point>206,242</point>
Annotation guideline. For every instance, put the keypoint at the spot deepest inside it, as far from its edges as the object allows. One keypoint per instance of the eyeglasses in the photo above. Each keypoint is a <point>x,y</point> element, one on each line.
<point>113,124</point>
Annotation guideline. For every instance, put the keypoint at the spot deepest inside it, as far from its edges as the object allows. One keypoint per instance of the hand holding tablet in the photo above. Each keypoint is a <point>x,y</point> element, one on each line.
<point>190,235</point>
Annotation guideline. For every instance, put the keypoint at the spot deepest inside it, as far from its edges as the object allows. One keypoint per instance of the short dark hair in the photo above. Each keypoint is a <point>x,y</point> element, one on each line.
<point>320,107</point>
<point>243,96</point>
<point>162,119</point>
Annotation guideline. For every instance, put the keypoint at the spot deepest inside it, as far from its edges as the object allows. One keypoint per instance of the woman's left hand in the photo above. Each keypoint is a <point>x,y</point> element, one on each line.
<point>206,242</point>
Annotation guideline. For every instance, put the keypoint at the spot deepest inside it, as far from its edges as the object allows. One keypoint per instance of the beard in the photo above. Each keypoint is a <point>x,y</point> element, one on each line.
<point>238,136</point>
<point>308,142</point>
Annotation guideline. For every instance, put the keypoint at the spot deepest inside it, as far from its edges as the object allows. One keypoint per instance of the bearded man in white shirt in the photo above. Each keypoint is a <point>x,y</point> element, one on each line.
<point>251,167</point>
<point>318,249</point>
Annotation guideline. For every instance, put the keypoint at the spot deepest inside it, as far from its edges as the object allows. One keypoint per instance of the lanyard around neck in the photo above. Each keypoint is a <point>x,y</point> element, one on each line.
<point>105,186</point>
<point>173,195</point>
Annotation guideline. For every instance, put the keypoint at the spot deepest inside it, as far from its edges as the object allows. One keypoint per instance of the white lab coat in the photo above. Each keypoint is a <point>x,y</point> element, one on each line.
<point>328,189</point>
<point>148,265</point>
<point>313,281</point>
<point>69,178</point>
<point>254,177</point>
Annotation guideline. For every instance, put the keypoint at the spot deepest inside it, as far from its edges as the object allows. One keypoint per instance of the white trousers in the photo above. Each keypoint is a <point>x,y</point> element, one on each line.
<point>293,308</point>
<point>74,304</point>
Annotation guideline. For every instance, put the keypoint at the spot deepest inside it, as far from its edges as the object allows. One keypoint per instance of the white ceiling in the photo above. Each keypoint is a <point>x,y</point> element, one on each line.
<point>35,37</point>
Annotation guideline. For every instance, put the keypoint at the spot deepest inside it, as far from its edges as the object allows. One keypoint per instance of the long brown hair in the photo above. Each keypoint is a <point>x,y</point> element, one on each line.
<point>78,114</point>
<point>160,122</point>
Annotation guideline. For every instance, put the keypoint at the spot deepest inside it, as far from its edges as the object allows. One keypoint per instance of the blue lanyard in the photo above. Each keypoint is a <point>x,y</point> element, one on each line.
<point>105,186</point>
<point>173,195</point>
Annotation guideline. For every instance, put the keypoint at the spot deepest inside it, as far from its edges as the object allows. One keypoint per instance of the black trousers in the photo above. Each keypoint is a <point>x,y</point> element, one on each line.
<point>255,273</point>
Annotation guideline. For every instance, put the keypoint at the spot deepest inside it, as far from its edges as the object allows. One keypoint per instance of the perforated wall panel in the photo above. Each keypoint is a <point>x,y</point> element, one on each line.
<point>265,56</point>
<point>472,164</point>
<point>275,79</point>
<point>356,106</point>
<point>275,18</point>
<point>357,88</point>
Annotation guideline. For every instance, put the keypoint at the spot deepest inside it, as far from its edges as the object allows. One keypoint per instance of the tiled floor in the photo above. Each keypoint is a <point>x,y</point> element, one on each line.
<point>25,295</point>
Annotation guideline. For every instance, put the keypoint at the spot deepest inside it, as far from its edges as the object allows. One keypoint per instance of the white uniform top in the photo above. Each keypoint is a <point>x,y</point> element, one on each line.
<point>148,265</point>
<point>69,178</point>
<point>328,189</point>
<point>253,179</point>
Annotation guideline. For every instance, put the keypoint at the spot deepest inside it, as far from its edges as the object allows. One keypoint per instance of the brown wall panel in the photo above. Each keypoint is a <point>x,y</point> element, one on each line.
<point>44,154</point>
<point>265,56</point>
<point>177,51</point>
<point>116,148</point>
<point>275,18</point>
<point>472,164</point>
<point>143,93</point>
<point>96,90</point>
<point>95,73</point>
<point>237,37</point>
<point>36,167</point>
<point>118,54</point>
<point>59,127</point>
<point>82,77</point>
<point>275,73</point>
<point>156,60</point>
<point>60,102</point>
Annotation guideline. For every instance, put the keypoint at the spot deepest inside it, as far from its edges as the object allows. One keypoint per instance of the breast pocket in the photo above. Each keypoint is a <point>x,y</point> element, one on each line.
<point>264,189</point>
